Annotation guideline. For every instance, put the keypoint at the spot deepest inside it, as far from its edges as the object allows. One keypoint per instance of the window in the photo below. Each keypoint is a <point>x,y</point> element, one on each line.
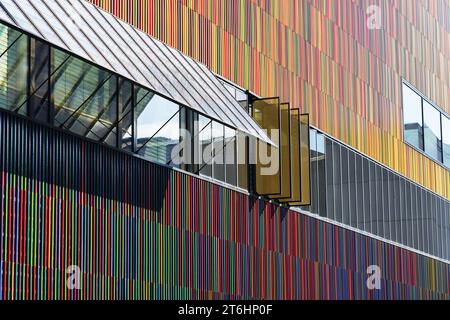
<point>425,127</point>
<point>13,69</point>
<point>84,96</point>
<point>412,112</point>
<point>446,140</point>
<point>230,156</point>
<point>329,179</point>
<point>158,127</point>
<point>432,131</point>
<point>345,191</point>
<point>125,118</point>
<point>218,151</point>
<point>321,177</point>
<point>205,146</point>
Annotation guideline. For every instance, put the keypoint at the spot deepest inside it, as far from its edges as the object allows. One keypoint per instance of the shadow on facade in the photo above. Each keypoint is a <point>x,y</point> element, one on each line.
<point>44,154</point>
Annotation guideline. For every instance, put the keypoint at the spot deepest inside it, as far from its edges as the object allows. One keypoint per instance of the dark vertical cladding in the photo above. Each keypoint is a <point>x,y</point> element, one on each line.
<point>45,155</point>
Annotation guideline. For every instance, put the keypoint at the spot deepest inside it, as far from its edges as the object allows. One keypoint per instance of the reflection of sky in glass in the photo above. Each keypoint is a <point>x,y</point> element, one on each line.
<point>157,112</point>
<point>446,139</point>
<point>446,130</point>
<point>411,106</point>
<point>432,119</point>
<point>217,130</point>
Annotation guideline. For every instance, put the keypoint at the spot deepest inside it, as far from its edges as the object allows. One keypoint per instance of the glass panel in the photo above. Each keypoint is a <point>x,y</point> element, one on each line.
<point>305,160</point>
<point>329,179</point>
<point>285,145</point>
<point>415,214</point>
<point>39,101</point>
<point>158,127</point>
<point>432,131</point>
<point>321,177</point>
<point>13,70</point>
<point>125,116</point>
<point>378,200</point>
<point>241,146</point>
<point>205,129</point>
<point>314,179</point>
<point>353,189</point>
<point>430,225</point>
<point>437,212</point>
<point>446,213</point>
<point>397,215</point>
<point>446,140</point>
<point>423,213</point>
<point>230,156</point>
<point>84,96</point>
<point>385,199</point>
<point>360,191</point>
<point>409,217</point>
<point>367,181</point>
<point>296,192</point>
<point>337,182</point>
<point>392,211</point>
<point>373,198</point>
<point>267,170</point>
<point>412,113</point>
<point>218,151</point>
<point>345,191</point>
<point>402,202</point>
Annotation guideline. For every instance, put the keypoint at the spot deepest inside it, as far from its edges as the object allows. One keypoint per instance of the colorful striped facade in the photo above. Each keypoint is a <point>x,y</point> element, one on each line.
<point>141,231</point>
<point>319,55</point>
<point>138,230</point>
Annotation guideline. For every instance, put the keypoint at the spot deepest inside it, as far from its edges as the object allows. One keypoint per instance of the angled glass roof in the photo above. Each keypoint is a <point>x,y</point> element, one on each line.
<point>97,36</point>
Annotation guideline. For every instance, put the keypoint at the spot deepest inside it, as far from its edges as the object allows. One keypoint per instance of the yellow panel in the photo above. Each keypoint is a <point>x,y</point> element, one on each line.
<point>285,147</point>
<point>296,192</point>
<point>266,113</point>
<point>305,162</point>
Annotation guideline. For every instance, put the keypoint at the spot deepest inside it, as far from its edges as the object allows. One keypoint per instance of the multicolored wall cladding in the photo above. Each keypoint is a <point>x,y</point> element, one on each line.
<point>319,55</point>
<point>138,230</point>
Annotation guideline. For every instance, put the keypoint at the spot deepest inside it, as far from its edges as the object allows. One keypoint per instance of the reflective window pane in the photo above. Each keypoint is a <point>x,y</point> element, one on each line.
<point>158,128</point>
<point>432,131</point>
<point>366,186</point>
<point>345,191</point>
<point>13,69</point>
<point>385,199</point>
<point>125,126</point>
<point>378,202</point>
<point>373,198</point>
<point>314,179</point>
<point>360,192</point>
<point>321,164</point>
<point>446,140</point>
<point>39,100</point>
<point>412,113</point>
<point>337,182</point>
<point>230,156</point>
<point>396,208</point>
<point>409,217</point>
<point>353,186</point>
<point>329,179</point>
<point>242,154</point>
<point>218,151</point>
<point>205,145</point>
<point>84,96</point>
